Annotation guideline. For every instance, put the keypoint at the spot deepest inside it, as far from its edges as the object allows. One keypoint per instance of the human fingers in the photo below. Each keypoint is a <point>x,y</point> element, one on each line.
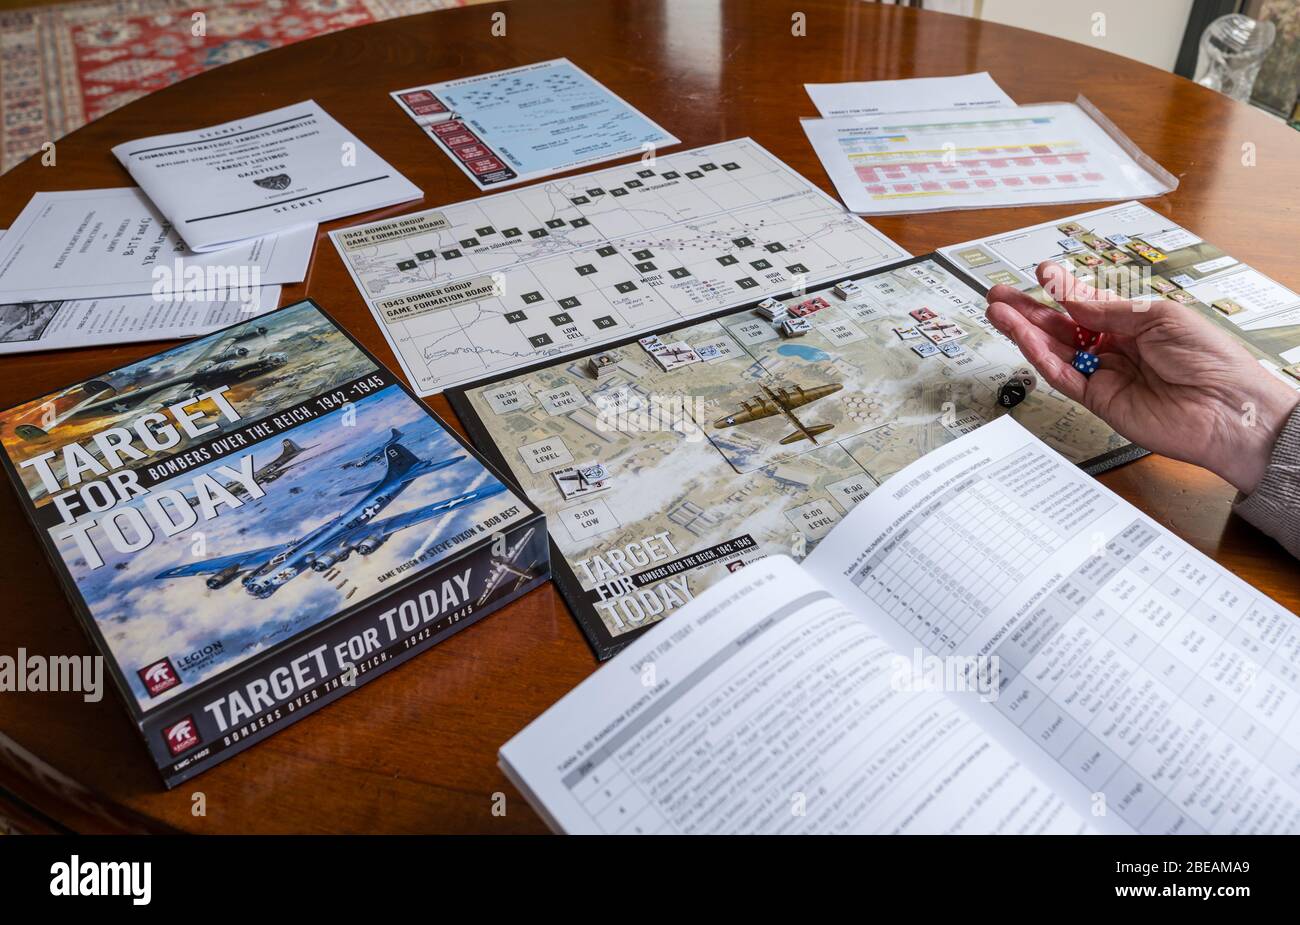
<point>1054,322</point>
<point>1101,312</point>
<point>1045,353</point>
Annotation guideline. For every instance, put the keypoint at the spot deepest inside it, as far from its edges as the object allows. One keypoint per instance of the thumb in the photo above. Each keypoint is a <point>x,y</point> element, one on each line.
<point>1099,311</point>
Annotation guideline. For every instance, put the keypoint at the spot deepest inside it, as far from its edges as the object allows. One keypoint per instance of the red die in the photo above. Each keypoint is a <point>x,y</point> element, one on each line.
<point>1085,339</point>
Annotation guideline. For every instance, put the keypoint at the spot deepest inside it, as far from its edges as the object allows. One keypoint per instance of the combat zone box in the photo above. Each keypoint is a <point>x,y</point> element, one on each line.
<point>202,508</point>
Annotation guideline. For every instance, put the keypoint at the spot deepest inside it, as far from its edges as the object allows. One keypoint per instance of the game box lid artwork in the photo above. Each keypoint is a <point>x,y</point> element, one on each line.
<point>253,523</point>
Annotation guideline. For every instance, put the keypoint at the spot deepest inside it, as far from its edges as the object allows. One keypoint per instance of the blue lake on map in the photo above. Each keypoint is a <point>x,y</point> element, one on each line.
<point>803,352</point>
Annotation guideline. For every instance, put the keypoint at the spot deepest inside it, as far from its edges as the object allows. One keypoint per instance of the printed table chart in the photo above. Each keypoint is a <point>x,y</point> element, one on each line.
<point>1139,672</point>
<point>1117,642</point>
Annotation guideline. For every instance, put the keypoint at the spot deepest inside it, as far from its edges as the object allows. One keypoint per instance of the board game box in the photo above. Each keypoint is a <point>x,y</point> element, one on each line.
<point>667,461</point>
<point>253,523</point>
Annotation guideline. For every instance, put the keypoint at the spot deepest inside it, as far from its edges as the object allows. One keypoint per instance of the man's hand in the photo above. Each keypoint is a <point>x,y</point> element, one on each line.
<point>1169,380</point>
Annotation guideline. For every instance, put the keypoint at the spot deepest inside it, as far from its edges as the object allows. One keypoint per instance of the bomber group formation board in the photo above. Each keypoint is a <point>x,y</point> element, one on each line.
<point>482,287</point>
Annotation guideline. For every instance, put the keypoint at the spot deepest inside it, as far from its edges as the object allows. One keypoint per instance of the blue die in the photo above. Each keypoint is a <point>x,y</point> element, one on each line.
<point>1085,362</point>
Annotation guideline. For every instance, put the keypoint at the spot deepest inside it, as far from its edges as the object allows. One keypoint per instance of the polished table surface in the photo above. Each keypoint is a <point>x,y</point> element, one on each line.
<point>415,750</point>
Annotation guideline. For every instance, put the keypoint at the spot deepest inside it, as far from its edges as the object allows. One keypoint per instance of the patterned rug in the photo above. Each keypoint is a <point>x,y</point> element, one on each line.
<point>61,66</point>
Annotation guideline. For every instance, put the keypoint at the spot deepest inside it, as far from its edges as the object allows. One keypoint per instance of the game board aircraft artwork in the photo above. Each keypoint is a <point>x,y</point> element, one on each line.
<point>782,400</point>
<point>355,530</point>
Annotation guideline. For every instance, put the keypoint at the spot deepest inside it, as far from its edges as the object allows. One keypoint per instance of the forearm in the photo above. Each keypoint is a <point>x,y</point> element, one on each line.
<point>1274,505</point>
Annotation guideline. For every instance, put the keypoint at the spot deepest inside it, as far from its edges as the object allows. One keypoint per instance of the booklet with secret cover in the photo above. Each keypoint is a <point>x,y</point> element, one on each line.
<point>991,641</point>
<point>261,175</point>
<point>201,508</point>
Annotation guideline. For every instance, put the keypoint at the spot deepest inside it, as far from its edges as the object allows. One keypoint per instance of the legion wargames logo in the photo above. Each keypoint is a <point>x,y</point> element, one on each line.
<point>277,181</point>
<point>182,736</point>
<point>158,677</point>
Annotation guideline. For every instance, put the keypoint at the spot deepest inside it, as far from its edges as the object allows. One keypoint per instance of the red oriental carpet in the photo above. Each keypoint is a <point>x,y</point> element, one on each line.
<point>63,65</point>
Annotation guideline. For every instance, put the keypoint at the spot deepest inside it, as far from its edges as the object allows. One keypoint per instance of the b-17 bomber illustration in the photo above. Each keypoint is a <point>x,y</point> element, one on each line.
<point>782,400</point>
<point>290,455</point>
<point>373,455</point>
<point>227,362</point>
<point>355,530</point>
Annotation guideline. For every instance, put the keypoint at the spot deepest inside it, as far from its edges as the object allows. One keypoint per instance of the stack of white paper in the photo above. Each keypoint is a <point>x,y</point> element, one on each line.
<point>225,215</point>
<point>250,178</point>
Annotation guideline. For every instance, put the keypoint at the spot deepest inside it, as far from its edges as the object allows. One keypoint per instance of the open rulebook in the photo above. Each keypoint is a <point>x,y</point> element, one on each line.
<point>991,641</point>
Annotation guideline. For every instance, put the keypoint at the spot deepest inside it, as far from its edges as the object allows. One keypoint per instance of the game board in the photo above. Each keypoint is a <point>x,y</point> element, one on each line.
<point>667,466</point>
<point>1141,254</point>
<point>482,287</point>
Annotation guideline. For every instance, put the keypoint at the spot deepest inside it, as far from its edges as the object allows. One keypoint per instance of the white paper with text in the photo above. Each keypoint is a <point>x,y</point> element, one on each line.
<point>1142,681</point>
<point>765,706</point>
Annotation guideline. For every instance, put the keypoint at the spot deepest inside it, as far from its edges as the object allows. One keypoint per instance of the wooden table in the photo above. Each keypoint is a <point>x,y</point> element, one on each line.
<point>415,750</point>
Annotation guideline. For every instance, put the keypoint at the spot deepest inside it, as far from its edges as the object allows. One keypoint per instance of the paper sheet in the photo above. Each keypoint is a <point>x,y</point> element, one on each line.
<point>914,94</point>
<point>92,244</point>
<point>26,327</point>
<point>763,696</point>
<point>927,161</point>
<point>261,175</point>
<point>507,127</point>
